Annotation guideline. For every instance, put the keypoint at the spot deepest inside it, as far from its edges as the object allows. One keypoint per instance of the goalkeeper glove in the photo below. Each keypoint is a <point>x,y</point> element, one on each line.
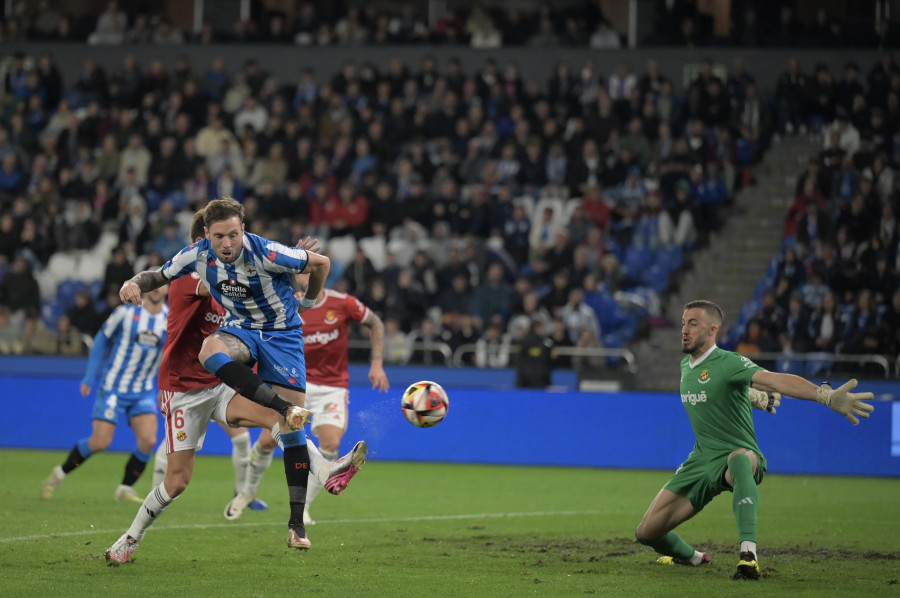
<point>764,401</point>
<point>846,403</point>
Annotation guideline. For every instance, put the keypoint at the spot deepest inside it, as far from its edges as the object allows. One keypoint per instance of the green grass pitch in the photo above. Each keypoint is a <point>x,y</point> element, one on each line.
<point>438,530</point>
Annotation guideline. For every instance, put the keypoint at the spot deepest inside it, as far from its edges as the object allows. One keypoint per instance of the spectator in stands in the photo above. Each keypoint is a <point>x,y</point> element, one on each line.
<point>82,315</point>
<point>794,336</point>
<point>166,35</point>
<point>577,316</point>
<point>790,95</point>
<point>19,290</point>
<point>111,26</point>
<point>826,323</point>
<point>423,344</point>
<point>605,37</point>
<point>492,350</point>
<point>677,224</point>
<point>493,297</point>
<point>534,360</point>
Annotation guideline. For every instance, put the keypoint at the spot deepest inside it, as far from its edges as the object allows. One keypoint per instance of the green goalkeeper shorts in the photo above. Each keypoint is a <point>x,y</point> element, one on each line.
<point>702,477</point>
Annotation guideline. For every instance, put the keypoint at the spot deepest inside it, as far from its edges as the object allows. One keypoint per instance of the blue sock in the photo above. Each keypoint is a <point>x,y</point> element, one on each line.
<point>84,449</point>
<point>141,456</point>
<point>291,439</point>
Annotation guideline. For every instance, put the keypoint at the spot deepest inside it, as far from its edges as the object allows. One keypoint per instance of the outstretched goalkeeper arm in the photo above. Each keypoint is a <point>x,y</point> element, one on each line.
<point>841,400</point>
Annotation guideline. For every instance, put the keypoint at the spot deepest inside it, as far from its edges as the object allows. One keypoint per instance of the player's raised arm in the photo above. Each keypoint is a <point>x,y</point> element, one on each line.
<point>317,266</point>
<point>143,282</point>
<point>840,400</point>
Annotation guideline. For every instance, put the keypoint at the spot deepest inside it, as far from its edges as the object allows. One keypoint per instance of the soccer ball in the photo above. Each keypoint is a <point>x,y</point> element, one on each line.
<point>425,404</point>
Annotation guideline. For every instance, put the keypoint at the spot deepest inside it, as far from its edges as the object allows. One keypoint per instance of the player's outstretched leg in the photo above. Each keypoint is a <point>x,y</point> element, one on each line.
<point>343,470</point>
<point>241,378</point>
<point>315,484</point>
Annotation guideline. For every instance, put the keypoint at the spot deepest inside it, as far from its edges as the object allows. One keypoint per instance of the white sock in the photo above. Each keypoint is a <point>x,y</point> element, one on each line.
<point>748,547</point>
<point>240,456</point>
<point>156,502</point>
<point>257,465</point>
<point>160,464</point>
<point>696,558</point>
<point>316,483</point>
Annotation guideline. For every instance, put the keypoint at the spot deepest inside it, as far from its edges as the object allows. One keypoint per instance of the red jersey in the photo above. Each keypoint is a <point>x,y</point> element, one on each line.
<point>325,337</point>
<point>191,319</point>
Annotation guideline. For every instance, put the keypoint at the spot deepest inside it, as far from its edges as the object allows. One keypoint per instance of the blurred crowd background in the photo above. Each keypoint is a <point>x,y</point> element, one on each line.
<point>469,206</point>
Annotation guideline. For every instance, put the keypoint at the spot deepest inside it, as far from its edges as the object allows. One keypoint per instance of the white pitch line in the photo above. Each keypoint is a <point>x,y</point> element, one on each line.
<point>89,532</point>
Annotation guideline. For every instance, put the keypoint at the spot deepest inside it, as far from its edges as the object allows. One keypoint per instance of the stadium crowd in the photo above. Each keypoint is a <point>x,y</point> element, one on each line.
<point>479,209</point>
<point>754,23</point>
<point>835,286</point>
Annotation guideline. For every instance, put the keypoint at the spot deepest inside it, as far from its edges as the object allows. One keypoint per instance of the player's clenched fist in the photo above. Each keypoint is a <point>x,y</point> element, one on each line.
<point>130,293</point>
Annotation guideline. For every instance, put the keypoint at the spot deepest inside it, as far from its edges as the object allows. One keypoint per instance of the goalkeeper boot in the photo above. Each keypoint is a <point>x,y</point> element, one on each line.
<point>297,417</point>
<point>747,567</point>
<point>297,538</point>
<point>236,507</point>
<point>343,470</point>
<point>121,551</point>
<point>127,493</point>
<point>53,481</point>
<point>671,560</point>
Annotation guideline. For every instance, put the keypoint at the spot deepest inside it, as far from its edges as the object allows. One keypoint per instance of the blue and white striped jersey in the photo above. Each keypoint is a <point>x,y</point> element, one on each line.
<point>138,337</point>
<point>255,288</point>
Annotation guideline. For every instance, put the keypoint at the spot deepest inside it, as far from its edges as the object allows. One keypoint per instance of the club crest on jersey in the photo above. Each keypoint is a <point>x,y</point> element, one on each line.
<point>251,270</point>
<point>147,338</point>
<point>330,318</point>
<point>233,289</point>
<point>181,435</point>
<point>704,377</point>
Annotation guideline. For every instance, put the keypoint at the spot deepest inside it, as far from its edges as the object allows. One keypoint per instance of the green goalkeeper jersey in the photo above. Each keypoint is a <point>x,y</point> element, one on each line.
<point>714,392</point>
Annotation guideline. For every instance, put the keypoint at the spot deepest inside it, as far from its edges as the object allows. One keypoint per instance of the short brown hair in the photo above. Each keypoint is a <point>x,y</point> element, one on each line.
<point>197,225</point>
<point>222,209</point>
<point>712,310</point>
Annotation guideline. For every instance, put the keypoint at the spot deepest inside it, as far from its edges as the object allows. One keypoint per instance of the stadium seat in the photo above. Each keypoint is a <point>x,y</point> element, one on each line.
<point>342,249</point>
<point>375,249</point>
<point>655,277</point>
<point>788,365</point>
<point>637,260</point>
<point>670,258</point>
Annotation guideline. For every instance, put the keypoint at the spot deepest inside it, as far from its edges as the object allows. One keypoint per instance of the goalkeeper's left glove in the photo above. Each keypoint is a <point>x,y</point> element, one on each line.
<point>846,403</point>
<point>764,401</point>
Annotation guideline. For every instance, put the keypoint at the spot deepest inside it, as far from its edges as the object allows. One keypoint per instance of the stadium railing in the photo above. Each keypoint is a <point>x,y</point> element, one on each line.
<point>604,352</point>
<point>411,349</point>
<point>826,359</point>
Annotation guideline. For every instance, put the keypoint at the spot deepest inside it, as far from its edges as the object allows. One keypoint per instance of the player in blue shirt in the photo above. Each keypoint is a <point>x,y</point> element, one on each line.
<point>127,387</point>
<point>251,277</point>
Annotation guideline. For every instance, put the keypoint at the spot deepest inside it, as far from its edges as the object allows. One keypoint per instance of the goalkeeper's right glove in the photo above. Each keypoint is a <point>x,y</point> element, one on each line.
<point>845,402</point>
<point>764,401</point>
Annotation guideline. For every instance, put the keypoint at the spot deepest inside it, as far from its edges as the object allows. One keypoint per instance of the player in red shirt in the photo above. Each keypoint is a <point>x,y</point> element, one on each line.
<point>325,335</point>
<point>191,397</point>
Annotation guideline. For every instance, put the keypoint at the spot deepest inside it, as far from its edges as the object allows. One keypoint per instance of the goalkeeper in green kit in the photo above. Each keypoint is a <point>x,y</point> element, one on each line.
<point>718,389</point>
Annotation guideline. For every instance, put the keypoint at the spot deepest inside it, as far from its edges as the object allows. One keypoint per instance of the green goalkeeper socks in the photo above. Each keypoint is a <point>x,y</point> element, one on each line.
<point>670,545</point>
<point>746,496</point>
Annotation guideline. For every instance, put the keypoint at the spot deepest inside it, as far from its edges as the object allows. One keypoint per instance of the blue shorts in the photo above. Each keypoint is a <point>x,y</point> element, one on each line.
<point>110,406</point>
<point>279,354</point>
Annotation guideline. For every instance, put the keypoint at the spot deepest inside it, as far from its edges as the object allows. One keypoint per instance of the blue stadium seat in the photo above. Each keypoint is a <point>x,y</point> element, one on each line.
<point>788,365</point>
<point>669,258</point>
<point>656,277</point>
<point>96,289</point>
<point>816,367</point>
<point>67,290</point>
<point>637,259</point>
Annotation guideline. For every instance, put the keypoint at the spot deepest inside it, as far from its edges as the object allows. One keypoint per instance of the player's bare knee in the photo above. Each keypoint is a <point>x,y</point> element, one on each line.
<point>644,534</point>
<point>267,443</point>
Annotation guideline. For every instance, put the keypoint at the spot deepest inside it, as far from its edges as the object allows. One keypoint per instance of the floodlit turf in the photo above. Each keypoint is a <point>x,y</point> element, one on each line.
<point>438,530</point>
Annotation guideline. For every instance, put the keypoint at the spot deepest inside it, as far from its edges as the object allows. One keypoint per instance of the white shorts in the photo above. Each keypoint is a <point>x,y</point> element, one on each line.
<point>188,414</point>
<point>328,405</point>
